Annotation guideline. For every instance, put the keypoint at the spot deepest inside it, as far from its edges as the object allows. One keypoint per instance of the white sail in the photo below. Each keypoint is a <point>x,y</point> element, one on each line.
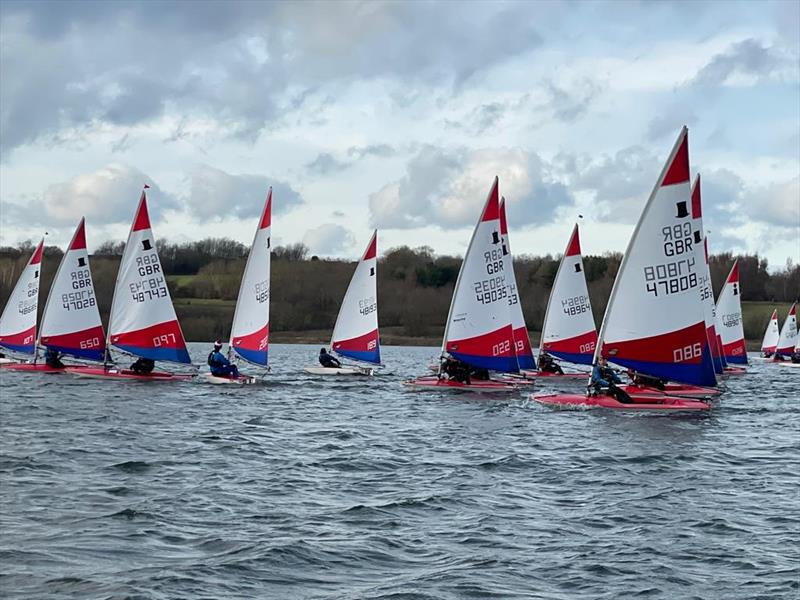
<point>788,337</point>
<point>143,320</point>
<point>250,329</point>
<point>771,335</point>
<point>18,321</point>
<point>654,321</point>
<point>478,330</point>
<point>71,320</point>
<point>355,334</point>
<point>729,319</point>
<point>569,331</point>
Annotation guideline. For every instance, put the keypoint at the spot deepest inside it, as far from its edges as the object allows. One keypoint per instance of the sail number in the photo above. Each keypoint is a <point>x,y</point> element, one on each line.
<point>26,307</point>
<point>575,305</point>
<point>491,290</point>
<point>731,319</point>
<point>586,348</point>
<point>167,339</point>
<point>513,298</point>
<point>78,300</point>
<point>671,278</point>
<point>262,291</point>
<point>88,344</point>
<point>503,347</point>
<point>494,261</point>
<point>677,239</point>
<point>367,306</point>
<point>687,353</point>
<point>148,289</point>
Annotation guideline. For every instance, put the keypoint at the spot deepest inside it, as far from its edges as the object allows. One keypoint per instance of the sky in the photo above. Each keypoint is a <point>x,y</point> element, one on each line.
<point>397,115</point>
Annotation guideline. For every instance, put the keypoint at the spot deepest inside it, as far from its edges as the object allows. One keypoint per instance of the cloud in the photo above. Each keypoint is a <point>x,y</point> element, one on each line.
<point>106,196</point>
<point>448,188</point>
<point>215,194</point>
<point>777,204</point>
<point>243,66</point>
<point>326,163</point>
<point>328,239</point>
<point>745,60</point>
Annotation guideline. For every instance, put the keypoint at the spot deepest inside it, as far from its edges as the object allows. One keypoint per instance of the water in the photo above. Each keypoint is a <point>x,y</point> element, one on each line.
<point>306,488</point>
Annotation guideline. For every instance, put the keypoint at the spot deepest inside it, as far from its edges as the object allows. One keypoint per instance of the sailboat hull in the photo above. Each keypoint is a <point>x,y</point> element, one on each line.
<point>679,389</point>
<point>362,371</point>
<point>39,367</point>
<point>478,386</point>
<point>652,404</point>
<point>240,380</point>
<point>126,374</point>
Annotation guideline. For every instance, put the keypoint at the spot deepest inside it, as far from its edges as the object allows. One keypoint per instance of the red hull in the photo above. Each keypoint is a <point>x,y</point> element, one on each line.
<point>435,383</point>
<point>40,367</point>
<point>125,374</point>
<point>668,403</point>
<point>680,389</point>
<point>735,370</point>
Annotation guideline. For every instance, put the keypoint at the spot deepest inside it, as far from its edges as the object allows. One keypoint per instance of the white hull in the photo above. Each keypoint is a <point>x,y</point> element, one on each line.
<point>5,361</point>
<point>363,371</point>
<point>789,364</point>
<point>241,380</point>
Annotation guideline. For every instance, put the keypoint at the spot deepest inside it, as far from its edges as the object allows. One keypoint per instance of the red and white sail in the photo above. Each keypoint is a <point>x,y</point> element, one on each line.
<point>654,321</point>
<point>706,287</point>
<point>522,343</point>
<point>788,337</point>
<point>771,335</point>
<point>143,320</point>
<point>478,329</point>
<point>729,319</point>
<point>355,334</point>
<point>18,321</point>
<point>71,320</point>
<point>569,331</point>
<point>250,329</point>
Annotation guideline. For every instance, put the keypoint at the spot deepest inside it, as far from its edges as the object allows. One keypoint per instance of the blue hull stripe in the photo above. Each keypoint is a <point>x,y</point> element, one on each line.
<point>738,360</point>
<point>506,364</point>
<point>526,362</point>
<point>257,357</point>
<point>696,374</point>
<point>22,349</point>
<point>77,352</point>
<point>573,357</point>
<point>373,356</point>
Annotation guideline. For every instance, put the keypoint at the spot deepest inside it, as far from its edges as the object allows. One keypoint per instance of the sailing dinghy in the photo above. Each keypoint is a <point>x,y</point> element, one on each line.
<point>71,320</point>
<point>479,330</point>
<point>788,338</point>
<point>250,329</point>
<point>659,275</point>
<point>729,319</point>
<point>18,320</point>
<point>569,331</point>
<point>142,320</point>
<point>771,336</point>
<point>355,334</point>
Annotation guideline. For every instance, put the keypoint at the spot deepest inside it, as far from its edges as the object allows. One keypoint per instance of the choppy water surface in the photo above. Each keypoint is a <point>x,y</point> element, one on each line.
<point>305,488</point>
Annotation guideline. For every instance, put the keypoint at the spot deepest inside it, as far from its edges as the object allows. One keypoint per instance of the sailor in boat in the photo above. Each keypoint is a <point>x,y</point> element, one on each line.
<point>796,355</point>
<point>766,354</point>
<point>455,370</point>
<point>548,365</point>
<point>646,380</point>
<point>605,380</point>
<point>328,360</point>
<point>143,366</point>
<point>219,365</point>
<point>52,359</point>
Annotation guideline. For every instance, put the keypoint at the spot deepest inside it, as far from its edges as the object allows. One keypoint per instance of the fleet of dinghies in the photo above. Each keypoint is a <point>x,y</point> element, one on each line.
<point>661,323</point>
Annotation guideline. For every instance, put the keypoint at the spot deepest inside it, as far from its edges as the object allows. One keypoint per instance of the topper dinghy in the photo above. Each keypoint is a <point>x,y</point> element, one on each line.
<point>142,320</point>
<point>655,403</point>
<point>729,319</point>
<point>771,336</point>
<point>249,338</point>
<point>569,331</point>
<point>18,320</point>
<point>659,275</point>
<point>479,334</point>
<point>788,338</point>
<point>355,334</point>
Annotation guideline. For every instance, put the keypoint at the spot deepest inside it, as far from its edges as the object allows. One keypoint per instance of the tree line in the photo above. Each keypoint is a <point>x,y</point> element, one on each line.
<point>414,284</point>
